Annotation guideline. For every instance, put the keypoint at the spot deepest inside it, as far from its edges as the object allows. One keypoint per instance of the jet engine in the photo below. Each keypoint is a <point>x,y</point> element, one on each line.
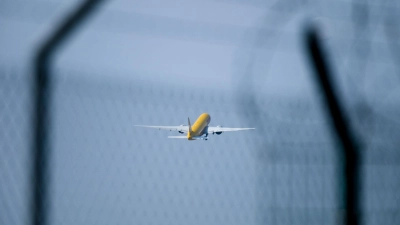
<point>181,132</point>
<point>219,132</point>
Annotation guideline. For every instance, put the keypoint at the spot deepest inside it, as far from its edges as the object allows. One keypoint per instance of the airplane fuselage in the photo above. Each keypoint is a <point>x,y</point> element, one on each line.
<point>200,126</point>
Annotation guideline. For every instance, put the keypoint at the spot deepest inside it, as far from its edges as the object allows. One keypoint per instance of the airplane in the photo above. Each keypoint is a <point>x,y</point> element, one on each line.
<point>199,131</point>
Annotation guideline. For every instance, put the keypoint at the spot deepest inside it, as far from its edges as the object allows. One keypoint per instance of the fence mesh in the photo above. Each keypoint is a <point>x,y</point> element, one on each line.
<point>103,170</point>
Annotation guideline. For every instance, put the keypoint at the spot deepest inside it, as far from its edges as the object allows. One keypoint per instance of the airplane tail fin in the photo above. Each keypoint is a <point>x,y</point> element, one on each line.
<point>190,126</point>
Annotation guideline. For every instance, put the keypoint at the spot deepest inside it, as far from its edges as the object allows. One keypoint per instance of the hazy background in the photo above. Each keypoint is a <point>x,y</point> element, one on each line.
<point>158,62</point>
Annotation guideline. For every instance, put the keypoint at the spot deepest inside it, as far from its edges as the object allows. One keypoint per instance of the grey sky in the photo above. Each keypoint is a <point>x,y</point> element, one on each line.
<point>180,43</point>
<point>157,62</point>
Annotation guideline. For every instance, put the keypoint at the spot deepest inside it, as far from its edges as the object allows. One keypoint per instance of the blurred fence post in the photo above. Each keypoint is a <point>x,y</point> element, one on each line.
<point>41,113</point>
<point>349,155</point>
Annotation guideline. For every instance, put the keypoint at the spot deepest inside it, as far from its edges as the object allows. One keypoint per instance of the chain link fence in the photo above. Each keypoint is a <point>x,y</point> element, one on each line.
<point>103,170</point>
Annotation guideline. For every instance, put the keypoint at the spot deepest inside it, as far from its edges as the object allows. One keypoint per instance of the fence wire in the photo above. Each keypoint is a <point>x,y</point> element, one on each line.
<point>103,170</point>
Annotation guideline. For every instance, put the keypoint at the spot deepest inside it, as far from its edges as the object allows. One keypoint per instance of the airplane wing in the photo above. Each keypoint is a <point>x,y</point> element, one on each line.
<point>225,129</point>
<point>183,129</point>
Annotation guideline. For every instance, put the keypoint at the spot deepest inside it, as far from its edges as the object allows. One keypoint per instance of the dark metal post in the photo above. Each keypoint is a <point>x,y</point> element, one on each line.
<point>341,125</point>
<point>41,114</point>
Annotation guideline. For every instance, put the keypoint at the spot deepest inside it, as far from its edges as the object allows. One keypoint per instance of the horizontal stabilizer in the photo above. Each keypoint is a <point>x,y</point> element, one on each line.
<point>177,137</point>
<point>199,138</point>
